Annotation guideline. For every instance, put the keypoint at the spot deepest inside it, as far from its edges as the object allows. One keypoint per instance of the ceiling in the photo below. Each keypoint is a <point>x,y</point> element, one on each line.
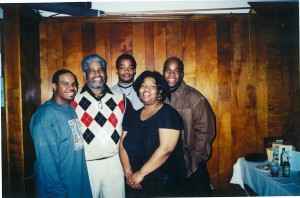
<point>142,7</point>
<point>114,7</point>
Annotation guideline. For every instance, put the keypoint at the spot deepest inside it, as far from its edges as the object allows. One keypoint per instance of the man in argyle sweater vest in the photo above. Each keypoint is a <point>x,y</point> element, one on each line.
<point>101,113</point>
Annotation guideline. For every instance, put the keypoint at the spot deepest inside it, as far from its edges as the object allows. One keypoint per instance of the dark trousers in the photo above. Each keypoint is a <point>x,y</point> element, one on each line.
<point>158,187</point>
<point>198,184</point>
<point>133,193</point>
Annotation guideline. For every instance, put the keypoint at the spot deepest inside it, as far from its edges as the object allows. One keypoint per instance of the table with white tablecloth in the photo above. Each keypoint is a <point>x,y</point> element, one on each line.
<point>261,181</point>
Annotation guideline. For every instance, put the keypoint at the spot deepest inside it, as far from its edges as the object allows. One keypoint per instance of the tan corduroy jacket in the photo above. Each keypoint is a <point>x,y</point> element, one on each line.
<point>199,124</point>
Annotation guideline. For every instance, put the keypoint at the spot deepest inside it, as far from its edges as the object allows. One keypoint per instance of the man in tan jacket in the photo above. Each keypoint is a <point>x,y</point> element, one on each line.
<point>199,127</point>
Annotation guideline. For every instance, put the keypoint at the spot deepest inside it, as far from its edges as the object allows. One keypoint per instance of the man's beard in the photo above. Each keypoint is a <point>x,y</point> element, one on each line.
<point>96,86</point>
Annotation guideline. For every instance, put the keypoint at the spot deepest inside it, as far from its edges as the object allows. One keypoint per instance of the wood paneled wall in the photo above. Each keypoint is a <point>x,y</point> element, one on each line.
<point>14,162</point>
<point>237,62</point>
<point>246,65</point>
<point>31,92</point>
<point>20,33</point>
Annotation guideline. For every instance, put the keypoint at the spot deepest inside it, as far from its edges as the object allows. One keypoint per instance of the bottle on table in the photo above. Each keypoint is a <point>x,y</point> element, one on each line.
<point>286,168</point>
<point>275,167</point>
<point>282,157</point>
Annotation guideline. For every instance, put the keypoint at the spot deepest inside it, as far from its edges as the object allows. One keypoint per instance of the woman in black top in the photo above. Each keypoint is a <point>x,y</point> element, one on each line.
<point>151,150</point>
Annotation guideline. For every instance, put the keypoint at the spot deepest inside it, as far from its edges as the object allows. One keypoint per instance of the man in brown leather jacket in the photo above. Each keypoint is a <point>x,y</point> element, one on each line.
<point>199,127</point>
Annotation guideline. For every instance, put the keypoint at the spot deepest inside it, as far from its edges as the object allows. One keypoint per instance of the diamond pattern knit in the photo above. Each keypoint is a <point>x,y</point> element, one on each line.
<point>101,122</point>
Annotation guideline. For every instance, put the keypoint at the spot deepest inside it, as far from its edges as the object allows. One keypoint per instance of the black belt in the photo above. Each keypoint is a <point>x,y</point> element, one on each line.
<point>102,158</point>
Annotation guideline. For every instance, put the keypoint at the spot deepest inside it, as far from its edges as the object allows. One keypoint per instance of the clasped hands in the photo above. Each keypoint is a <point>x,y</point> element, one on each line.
<point>134,179</point>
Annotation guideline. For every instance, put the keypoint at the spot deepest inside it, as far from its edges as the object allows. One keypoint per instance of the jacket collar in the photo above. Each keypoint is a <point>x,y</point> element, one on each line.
<point>181,88</point>
<point>178,91</point>
<point>106,90</point>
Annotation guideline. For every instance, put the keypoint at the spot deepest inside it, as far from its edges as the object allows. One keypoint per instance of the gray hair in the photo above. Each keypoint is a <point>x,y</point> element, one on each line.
<point>85,63</point>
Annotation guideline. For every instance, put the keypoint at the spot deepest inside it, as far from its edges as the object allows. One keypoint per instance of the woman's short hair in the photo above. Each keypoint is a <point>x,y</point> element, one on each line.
<point>86,61</point>
<point>125,57</point>
<point>161,83</point>
<point>58,73</point>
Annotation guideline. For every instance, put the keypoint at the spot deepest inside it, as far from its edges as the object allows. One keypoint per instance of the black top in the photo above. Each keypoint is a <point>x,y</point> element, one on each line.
<point>142,140</point>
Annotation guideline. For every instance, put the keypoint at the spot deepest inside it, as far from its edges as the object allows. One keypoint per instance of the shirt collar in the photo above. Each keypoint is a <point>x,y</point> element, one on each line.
<point>106,90</point>
<point>125,86</point>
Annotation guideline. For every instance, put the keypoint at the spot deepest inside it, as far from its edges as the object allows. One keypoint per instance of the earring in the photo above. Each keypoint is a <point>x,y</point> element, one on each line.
<point>159,95</point>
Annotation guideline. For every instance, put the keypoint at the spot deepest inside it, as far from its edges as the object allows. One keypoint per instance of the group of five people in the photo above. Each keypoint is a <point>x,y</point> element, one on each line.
<point>141,138</point>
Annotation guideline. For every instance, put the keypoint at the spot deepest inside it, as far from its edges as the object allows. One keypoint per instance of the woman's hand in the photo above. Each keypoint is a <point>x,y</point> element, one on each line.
<point>127,171</point>
<point>128,174</point>
<point>129,181</point>
<point>135,180</point>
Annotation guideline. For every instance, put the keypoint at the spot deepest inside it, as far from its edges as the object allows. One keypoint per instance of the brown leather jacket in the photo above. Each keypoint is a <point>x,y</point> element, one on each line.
<point>199,125</point>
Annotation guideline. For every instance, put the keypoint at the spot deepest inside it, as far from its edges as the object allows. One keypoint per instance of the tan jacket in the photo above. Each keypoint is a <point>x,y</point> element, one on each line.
<point>199,125</point>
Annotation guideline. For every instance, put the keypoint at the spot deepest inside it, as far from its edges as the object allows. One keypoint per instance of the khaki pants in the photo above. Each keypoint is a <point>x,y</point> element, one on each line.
<point>106,178</point>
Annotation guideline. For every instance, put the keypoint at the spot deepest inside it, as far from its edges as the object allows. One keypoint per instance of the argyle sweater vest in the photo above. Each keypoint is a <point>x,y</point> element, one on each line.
<point>101,123</point>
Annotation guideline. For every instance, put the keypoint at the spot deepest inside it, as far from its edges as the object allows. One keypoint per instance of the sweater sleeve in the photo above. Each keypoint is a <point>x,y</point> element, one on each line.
<point>46,146</point>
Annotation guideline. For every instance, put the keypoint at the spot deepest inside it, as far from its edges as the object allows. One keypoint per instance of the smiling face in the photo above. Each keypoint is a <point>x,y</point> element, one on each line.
<point>95,76</point>
<point>126,71</point>
<point>148,91</point>
<point>171,74</point>
<point>65,89</point>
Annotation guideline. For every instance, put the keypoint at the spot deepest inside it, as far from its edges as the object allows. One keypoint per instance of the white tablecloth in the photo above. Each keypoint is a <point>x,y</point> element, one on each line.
<point>261,182</point>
